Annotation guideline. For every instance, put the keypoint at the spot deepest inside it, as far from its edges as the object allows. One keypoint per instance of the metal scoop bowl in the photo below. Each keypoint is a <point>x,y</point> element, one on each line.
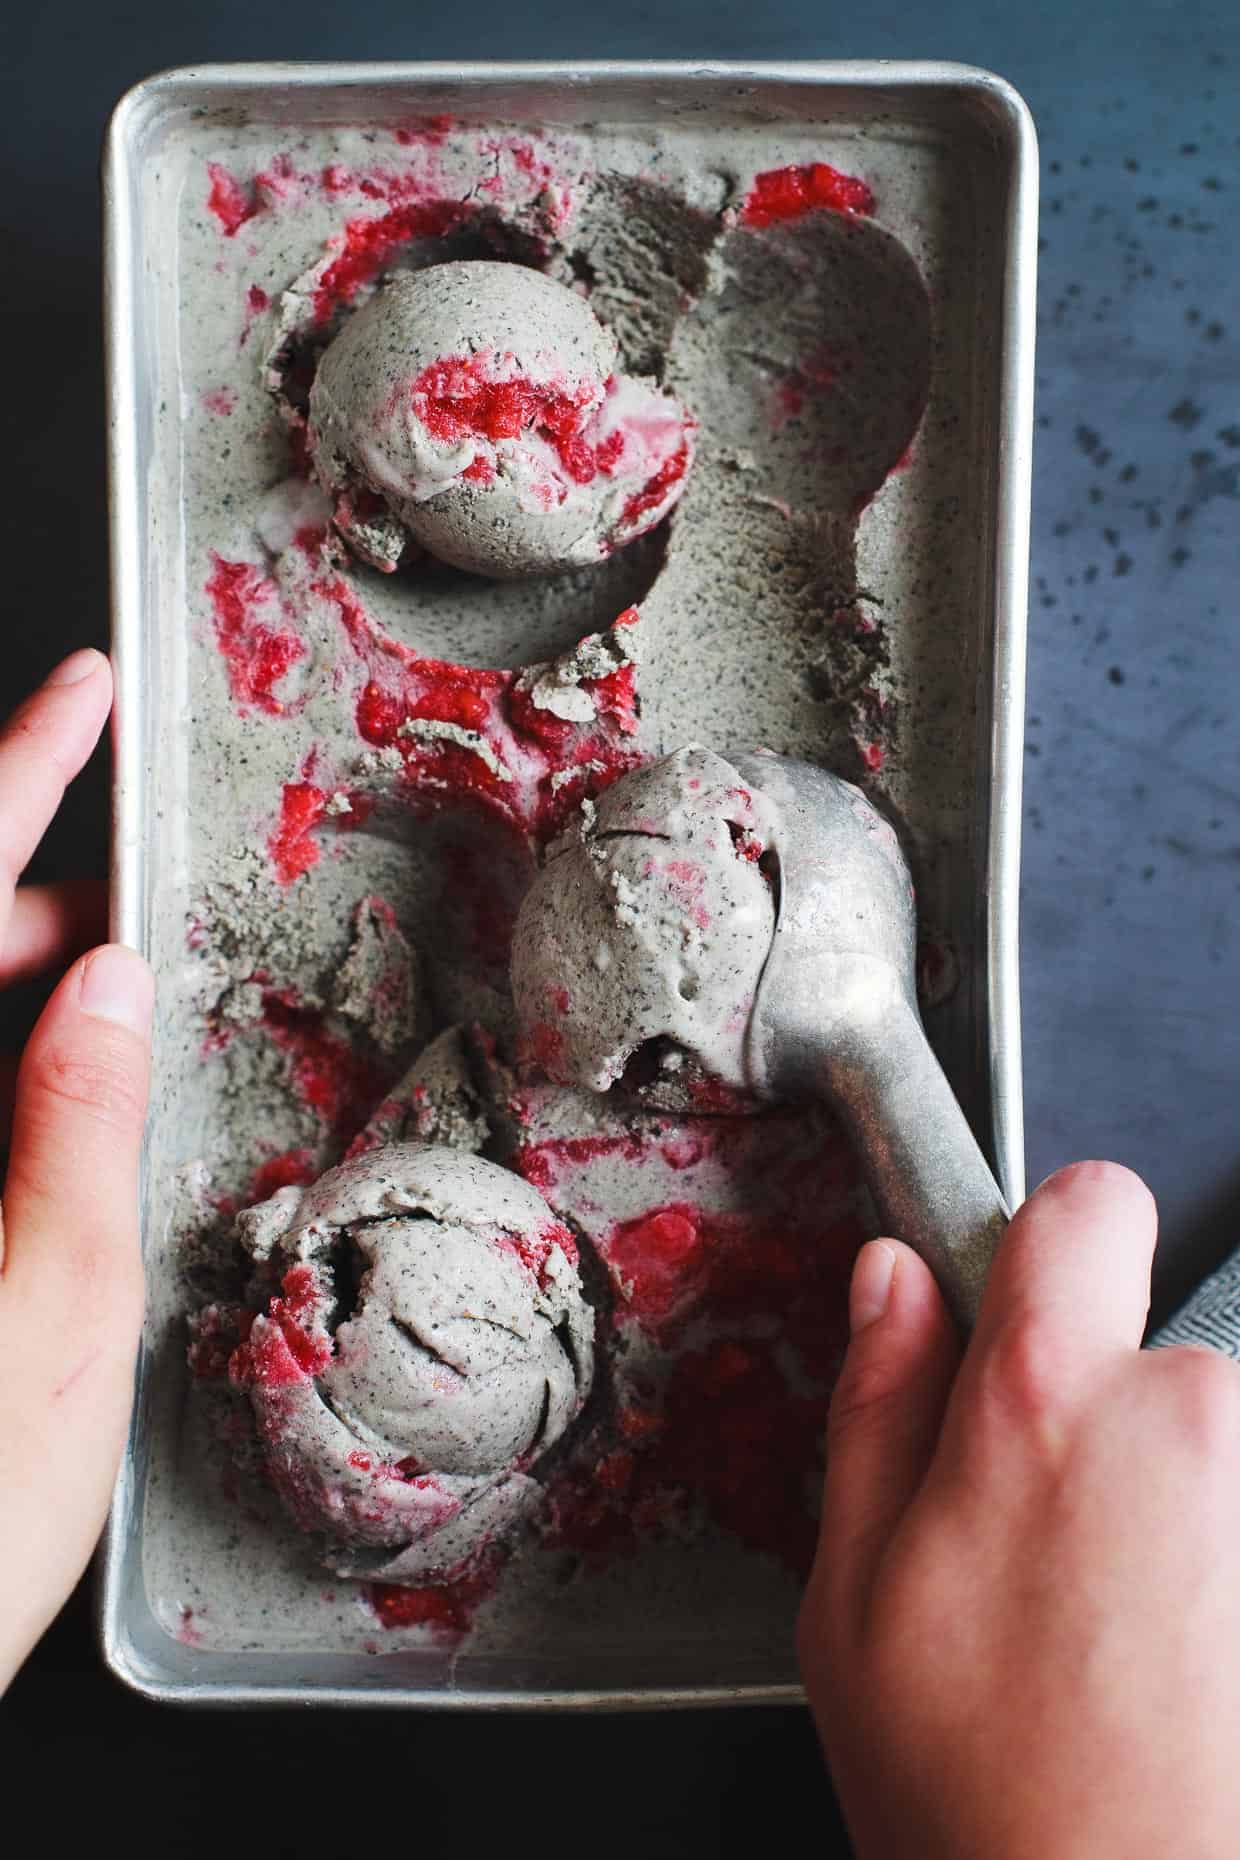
<point>835,1018</point>
<point>799,988</point>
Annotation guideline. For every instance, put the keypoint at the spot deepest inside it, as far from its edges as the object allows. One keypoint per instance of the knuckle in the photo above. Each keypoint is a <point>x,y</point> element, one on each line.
<point>864,1392</point>
<point>1026,1373</point>
<point>100,1083</point>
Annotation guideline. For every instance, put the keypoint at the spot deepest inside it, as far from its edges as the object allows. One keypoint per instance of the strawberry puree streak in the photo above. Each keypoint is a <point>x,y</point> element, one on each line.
<point>429,129</point>
<point>459,396</point>
<point>283,1349</point>
<point>369,242</point>
<point>653,493</point>
<point>228,200</point>
<point>291,1168</point>
<point>257,655</point>
<point>528,745</point>
<point>743,1309</point>
<point>535,1253</point>
<point>472,396</point>
<point>334,1081</point>
<point>447,1610</point>
<point>787,193</point>
<point>678,1261</point>
<point>417,205</point>
<point>292,846</point>
<point>256,301</point>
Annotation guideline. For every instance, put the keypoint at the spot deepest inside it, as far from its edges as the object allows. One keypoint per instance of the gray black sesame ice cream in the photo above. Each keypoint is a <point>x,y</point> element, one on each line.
<point>475,409</point>
<point>639,947</point>
<point>427,1343</point>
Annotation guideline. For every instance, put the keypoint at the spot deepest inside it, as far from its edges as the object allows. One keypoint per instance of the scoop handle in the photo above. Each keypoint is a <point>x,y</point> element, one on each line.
<point>926,1172</point>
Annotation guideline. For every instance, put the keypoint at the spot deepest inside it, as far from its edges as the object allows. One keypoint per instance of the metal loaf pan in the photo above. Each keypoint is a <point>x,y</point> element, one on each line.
<point>987,131</point>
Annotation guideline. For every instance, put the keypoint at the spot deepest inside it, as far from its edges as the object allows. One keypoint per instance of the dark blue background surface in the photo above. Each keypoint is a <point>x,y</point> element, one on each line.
<point>1132,810</point>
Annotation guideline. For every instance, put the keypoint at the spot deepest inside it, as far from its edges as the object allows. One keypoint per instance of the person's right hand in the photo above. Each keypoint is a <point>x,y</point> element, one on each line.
<point>1021,1639</point>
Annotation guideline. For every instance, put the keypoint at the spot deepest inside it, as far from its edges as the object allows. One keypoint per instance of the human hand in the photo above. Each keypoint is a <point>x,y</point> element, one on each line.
<point>70,1275</point>
<point>1022,1633</point>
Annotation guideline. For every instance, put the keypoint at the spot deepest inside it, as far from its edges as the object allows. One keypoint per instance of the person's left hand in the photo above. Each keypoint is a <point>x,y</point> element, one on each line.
<point>70,1274</point>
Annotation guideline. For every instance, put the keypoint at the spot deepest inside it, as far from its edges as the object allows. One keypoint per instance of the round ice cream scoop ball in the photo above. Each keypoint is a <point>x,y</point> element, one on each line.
<point>832,1004</point>
<point>475,408</point>
<point>430,1343</point>
<point>638,950</point>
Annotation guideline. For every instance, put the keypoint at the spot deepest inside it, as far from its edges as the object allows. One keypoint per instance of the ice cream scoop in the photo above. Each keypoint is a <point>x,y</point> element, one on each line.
<point>645,937</point>
<point>426,1344</point>
<point>816,998</point>
<point>475,408</point>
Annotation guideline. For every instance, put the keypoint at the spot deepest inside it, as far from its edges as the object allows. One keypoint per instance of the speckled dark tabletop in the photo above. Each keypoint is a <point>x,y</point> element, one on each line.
<point>1132,814</point>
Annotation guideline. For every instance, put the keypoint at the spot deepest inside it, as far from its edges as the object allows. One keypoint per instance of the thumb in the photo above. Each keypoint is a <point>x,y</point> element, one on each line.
<point>882,1428</point>
<point>70,1196</point>
<point>70,1286</point>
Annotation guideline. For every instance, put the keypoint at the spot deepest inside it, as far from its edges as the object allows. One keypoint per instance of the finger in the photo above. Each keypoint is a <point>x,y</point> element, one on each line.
<point>1074,1265</point>
<point>42,747</point>
<point>883,1424</point>
<point>70,1295</point>
<point>51,924</point>
<point>71,1188</point>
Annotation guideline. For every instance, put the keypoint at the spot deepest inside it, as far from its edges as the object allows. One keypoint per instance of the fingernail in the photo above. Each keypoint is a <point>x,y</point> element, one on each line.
<point>118,986</point>
<point>76,667</point>
<point>871,1284</point>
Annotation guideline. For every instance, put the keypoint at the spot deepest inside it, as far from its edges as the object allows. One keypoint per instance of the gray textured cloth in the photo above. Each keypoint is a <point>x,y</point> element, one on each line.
<point>1211,1315</point>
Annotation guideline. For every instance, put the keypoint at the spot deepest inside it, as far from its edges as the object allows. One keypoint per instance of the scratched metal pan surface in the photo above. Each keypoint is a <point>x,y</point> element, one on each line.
<point>974,141</point>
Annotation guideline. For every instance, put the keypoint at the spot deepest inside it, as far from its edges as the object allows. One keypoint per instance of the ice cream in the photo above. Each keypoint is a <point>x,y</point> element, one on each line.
<point>475,408</point>
<point>425,1342</point>
<point>639,948</point>
<point>414,740</point>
